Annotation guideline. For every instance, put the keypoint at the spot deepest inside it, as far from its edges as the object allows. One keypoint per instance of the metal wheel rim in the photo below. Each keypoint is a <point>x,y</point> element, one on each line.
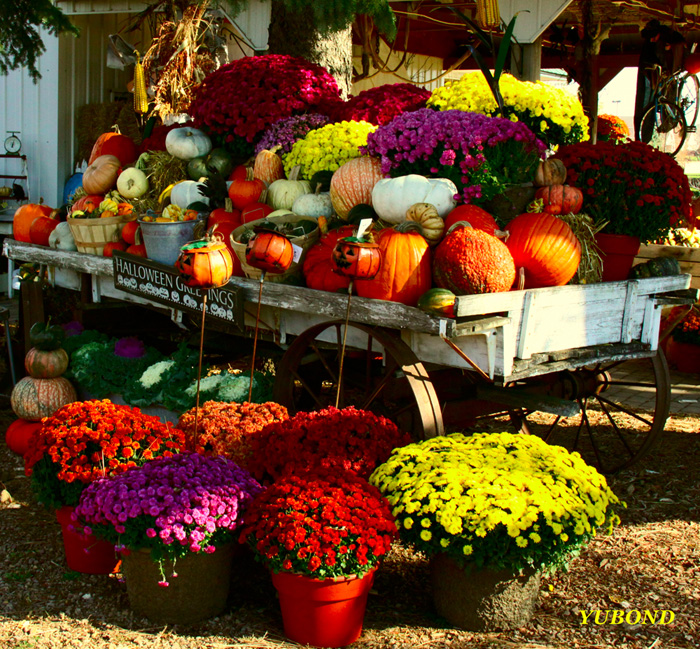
<point>669,141</point>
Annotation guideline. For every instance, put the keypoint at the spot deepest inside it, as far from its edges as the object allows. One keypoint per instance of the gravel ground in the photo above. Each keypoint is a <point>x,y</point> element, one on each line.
<point>651,562</point>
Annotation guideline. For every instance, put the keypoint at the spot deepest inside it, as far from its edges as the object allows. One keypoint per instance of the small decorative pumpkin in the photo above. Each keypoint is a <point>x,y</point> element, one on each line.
<point>226,214</point>
<point>34,399</point>
<point>269,251</point>
<point>429,219</point>
<point>101,176</point>
<point>24,217</point>
<point>111,246</point>
<point>357,258</point>
<point>476,216</point>
<point>469,261</point>
<point>132,183</point>
<point>116,144</point>
<point>314,205</point>
<point>268,166</point>
<point>545,247</point>
<point>656,267</point>
<point>438,301</point>
<point>281,194</point>
<point>405,273</point>
<point>550,172</point>
<point>391,197</point>
<point>205,264</point>
<point>186,193</point>
<point>186,143</point>
<point>243,192</point>
<point>352,184</point>
<point>560,199</point>
<point>87,204</point>
<point>319,262</point>
<point>255,212</point>
<point>46,364</point>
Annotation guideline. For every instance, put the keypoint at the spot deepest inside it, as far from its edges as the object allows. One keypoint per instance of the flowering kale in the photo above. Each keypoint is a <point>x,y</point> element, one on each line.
<point>172,506</point>
<point>285,132</point>
<point>481,155</point>
<point>130,347</point>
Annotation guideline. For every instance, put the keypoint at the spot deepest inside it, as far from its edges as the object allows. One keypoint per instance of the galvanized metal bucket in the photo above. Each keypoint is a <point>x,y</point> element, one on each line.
<point>163,239</point>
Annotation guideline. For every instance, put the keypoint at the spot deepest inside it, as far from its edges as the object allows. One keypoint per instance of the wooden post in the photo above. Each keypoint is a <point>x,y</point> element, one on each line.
<point>32,310</point>
<point>532,60</point>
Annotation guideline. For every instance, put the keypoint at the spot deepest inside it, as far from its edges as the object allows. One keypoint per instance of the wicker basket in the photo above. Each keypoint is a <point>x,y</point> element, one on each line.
<point>293,273</point>
<point>91,235</point>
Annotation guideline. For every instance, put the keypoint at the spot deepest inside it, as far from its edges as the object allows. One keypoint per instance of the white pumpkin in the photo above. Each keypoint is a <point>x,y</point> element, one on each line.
<point>282,193</point>
<point>187,192</point>
<point>391,197</point>
<point>62,238</point>
<point>187,143</point>
<point>132,183</point>
<point>315,205</point>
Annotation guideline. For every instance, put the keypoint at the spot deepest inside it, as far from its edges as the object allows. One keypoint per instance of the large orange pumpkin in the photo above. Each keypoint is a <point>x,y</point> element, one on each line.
<point>545,247</point>
<point>243,192</point>
<point>318,262</point>
<point>101,175</point>
<point>116,144</point>
<point>470,261</point>
<point>405,273</point>
<point>41,228</point>
<point>35,399</point>
<point>24,217</point>
<point>476,216</point>
<point>352,184</point>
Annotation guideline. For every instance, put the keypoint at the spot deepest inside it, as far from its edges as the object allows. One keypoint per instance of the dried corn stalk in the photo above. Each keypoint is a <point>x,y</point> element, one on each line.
<point>178,60</point>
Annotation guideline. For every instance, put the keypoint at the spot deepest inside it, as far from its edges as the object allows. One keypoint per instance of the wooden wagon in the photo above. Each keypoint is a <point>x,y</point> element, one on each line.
<point>561,362</point>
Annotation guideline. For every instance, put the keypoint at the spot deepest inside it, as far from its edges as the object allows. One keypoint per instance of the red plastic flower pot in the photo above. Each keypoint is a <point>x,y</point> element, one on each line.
<point>685,357</point>
<point>322,613</point>
<point>618,252</point>
<point>85,553</point>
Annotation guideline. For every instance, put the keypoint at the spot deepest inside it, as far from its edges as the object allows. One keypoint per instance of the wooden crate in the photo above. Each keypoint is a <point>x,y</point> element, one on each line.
<point>689,259</point>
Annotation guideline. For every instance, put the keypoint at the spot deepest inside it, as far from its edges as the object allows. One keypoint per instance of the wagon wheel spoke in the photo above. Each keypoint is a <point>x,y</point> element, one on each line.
<point>609,432</point>
<point>380,373</point>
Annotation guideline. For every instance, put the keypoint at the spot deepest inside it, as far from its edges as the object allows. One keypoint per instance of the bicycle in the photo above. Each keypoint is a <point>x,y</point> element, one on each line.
<point>673,111</point>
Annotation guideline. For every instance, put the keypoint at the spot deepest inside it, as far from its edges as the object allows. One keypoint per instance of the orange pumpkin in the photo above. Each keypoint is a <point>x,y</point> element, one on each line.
<point>545,247</point>
<point>205,264</point>
<point>101,175</point>
<point>405,273</point>
<point>246,191</point>
<point>269,251</point>
<point>111,246</point>
<point>254,212</point>
<point>318,262</point>
<point>268,166</point>
<point>34,399</point>
<point>560,199</point>
<point>128,232</point>
<point>41,228</point>
<point>352,184</point>
<point>23,219</point>
<point>476,216</point>
<point>116,144</point>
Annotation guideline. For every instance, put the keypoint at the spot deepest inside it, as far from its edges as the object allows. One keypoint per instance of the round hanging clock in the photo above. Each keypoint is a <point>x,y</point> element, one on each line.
<point>13,143</point>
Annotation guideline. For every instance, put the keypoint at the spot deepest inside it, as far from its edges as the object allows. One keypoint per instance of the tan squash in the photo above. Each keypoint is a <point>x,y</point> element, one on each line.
<point>427,215</point>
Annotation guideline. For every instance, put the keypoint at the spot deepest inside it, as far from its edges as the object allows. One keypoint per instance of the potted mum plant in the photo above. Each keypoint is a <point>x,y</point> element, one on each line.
<point>683,346</point>
<point>322,534</point>
<point>347,438</point>
<point>636,192</point>
<point>84,441</point>
<point>174,519</point>
<point>491,512</point>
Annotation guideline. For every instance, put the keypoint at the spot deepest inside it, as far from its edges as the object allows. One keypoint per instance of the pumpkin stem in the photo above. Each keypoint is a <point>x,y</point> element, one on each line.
<point>458,224</point>
<point>294,173</point>
<point>249,173</point>
<point>521,278</point>
<point>409,226</point>
<point>502,234</point>
<point>228,205</point>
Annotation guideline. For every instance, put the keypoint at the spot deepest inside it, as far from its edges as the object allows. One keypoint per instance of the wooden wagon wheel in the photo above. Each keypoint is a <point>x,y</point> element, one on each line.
<point>383,376</point>
<point>611,432</point>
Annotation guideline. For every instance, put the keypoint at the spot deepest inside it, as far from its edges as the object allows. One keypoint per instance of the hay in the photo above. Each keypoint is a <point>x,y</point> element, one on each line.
<point>590,268</point>
<point>91,121</point>
<point>164,169</point>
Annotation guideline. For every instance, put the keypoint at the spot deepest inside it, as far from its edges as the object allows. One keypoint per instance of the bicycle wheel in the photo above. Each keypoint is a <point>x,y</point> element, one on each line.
<point>663,127</point>
<point>687,98</point>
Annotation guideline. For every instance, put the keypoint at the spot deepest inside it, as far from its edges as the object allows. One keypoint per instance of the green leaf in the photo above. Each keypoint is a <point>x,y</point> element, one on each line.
<point>504,47</point>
